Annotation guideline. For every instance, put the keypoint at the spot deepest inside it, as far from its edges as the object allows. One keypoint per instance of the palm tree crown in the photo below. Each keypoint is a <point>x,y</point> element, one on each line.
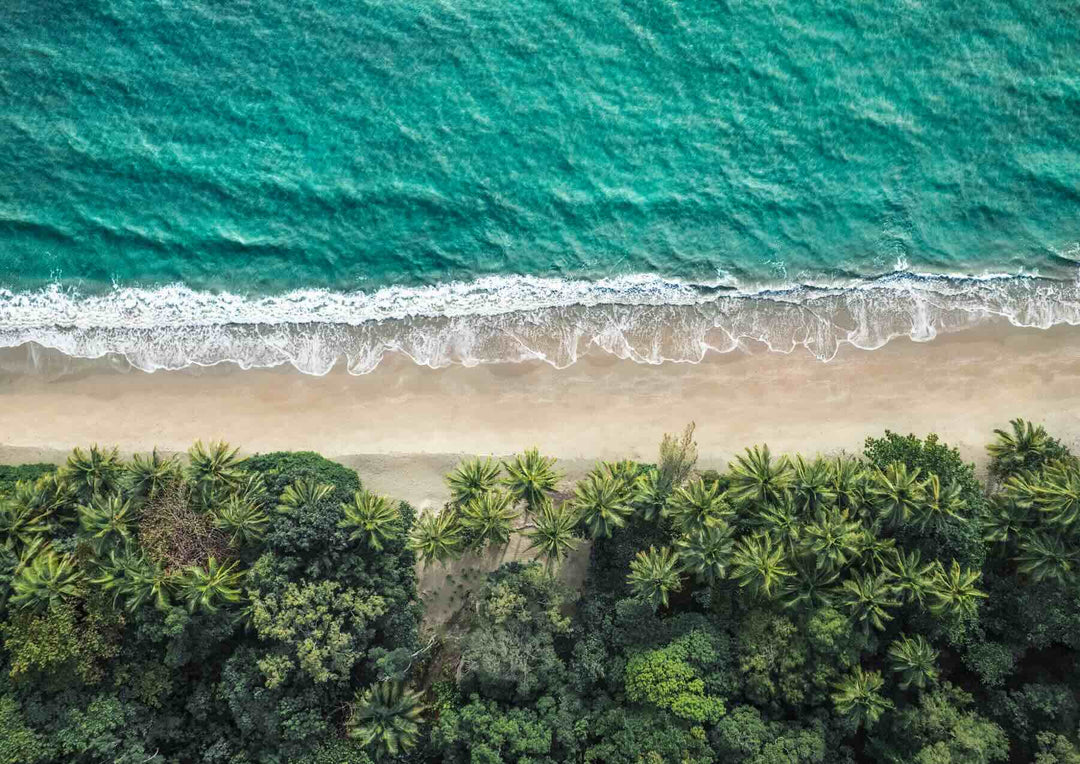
<point>207,587</point>
<point>914,660</point>
<point>471,479</point>
<point>897,493</point>
<point>303,496</point>
<point>47,579</point>
<point>655,574</point>
<point>530,477</point>
<point>489,518</point>
<point>1025,448</point>
<point>436,537</point>
<point>755,477</point>
<point>697,506</point>
<point>760,565</point>
<point>371,518</point>
<point>603,504</point>
<point>707,552</point>
<point>553,535</point>
<point>97,471</point>
<point>386,719</point>
<point>244,521</point>
<point>858,697</point>
<point>953,591</point>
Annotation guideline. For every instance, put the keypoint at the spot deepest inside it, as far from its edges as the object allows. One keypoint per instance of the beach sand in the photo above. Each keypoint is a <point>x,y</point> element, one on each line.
<point>403,426</point>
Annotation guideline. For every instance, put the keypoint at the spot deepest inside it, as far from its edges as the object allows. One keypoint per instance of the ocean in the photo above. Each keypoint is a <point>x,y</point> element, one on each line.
<point>323,182</point>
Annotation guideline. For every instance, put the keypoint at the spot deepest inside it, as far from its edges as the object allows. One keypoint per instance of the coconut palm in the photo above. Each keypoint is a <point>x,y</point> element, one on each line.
<point>914,660</point>
<point>49,498</point>
<point>530,477</point>
<point>207,587</point>
<point>912,577</point>
<point>896,493</point>
<point>553,532</point>
<point>654,575</point>
<point>1025,448</point>
<point>697,506</point>
<point>603,504</point>
<point>811,485</point>
<point>145,477</point>
<point>867,600</point>
<point>812,586</point>
<point>471,479</point>
<point>756,477</point>
<point>876,550</point>
<point>651,494</point>
<point>436,537</point>
<point>252,489</point>
<point>489,518</point>
<point>858,697</point>
<point>47,579</point>
<point>371,518</point>
<point>132,576</point>
<point>385,719</point>
<point>848,483</point>
<point>707,552</point>
<point>781,521</point>
<point>243,520</point>
<point>1005,520</point>
<point>1046,557</point>
<point>105,521</point>
<point>953,591</point>
<point>1058,495</point>
<point>831,538</point>
<point>940,506</point>
<point>760,565</point>
<point>303,496</point>
<point>92,472</point>
<point>213,465</point>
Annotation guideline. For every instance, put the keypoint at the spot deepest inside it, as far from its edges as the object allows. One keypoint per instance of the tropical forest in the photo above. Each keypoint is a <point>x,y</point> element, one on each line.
<point>893,605</point>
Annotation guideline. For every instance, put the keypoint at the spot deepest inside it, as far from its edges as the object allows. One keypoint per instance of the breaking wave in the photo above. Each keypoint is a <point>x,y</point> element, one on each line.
<point>643,318</point>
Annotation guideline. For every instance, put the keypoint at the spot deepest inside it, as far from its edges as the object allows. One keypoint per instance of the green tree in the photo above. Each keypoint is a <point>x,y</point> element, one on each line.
<point>92,472</point>
<point>760,565</point>
<point>897,493</point>
<point>303,496</point>
<point>707,553</point>
<point>655,574</point>
<point>471,479</point>
<point>243,521</point>
<point>146,477</point>
<point>811,484</point>
<point>697,506</point>
<point>371,518</point>
<point>1026,447</point>
<point>553,532</point>
<point>530,477</point>
<point>207,587</point>
<point>436,537</point>
<point>385,719</point>
<point>48,579</point>
<point>831,538</point>
<point>1046,557</point>
<point>868,599</point>
<point>953,591</point>
<point>670,678</point>
<point>603,504</point>
<point>756,477</point>
<point>914,660</point>
<point>106,521</point>
<point>489,518</point>
<point>677,458</point>
<point>858,697</point>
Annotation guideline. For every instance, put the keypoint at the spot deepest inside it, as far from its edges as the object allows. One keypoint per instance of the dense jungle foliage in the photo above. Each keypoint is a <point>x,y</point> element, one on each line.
<point>884,608</point>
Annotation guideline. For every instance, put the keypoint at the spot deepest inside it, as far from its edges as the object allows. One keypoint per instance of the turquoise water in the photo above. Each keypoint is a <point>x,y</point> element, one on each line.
<point>311,182</point>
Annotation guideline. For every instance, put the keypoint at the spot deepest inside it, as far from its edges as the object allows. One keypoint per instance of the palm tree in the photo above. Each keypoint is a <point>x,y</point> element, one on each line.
<point>371,518</point>
<point>847,483</point>
<point>651,494</point>
<point>471,479</point>
<point>243,520</point>
<point>210,586</point>
<point>896,493</point>
<point>1059,495</point>
<point>489,518</point>
<point>93,472</point>
<point>530,477</point>
<point>914,660</point>
<point>303,496</point>
<point>436,537</point>
<point>810,484</point>
<point>1005,520</point>
<point>953,592</point>
<point>129,574</point>
<point>553,533</point>
<point>760,565</point>
<point>832,539</point>
<point>47,499</point>
<point>811,586</point>
<point>876,550</point>
<point>911,576</point>
<point>940,506</point>
<point>603,504</point>
<point>655,574</point>
<point>105,521</point>
<point>868,599</point>
<point>20,524</point>
<point>252,489</point>
<point>707,552</point>
<point>47,579</point>
<point>781,521</point>
<point>755,477</point>
<point>145,477</point>
<point>858,697</point>
<point>386,719</point>
<point>697,506</point>
<point>1046,557</point>
<point>1025,448</point>
<point>214,465</point>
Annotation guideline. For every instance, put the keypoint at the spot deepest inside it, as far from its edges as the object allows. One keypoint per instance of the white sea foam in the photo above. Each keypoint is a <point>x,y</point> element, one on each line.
<point>644,318</point>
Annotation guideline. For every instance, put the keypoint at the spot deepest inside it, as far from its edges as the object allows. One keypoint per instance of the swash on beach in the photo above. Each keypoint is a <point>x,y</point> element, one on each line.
<point>314,183</point>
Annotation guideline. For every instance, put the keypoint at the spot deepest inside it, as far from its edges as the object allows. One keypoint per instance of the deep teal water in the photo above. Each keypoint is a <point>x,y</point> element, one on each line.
<point>261,147</point>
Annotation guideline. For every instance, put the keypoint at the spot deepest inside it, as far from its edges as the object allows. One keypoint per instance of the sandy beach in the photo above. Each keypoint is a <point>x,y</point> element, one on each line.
<point>403,426</point>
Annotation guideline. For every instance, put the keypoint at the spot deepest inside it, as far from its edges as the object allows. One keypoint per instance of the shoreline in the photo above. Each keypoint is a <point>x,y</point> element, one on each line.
<point>402,426</point>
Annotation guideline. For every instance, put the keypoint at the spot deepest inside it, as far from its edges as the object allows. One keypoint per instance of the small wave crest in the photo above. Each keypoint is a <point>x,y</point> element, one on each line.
<point>643,318</point>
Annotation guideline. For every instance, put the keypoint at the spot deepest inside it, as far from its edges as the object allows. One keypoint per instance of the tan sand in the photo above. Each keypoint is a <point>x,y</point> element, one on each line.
<point>404,425</point>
